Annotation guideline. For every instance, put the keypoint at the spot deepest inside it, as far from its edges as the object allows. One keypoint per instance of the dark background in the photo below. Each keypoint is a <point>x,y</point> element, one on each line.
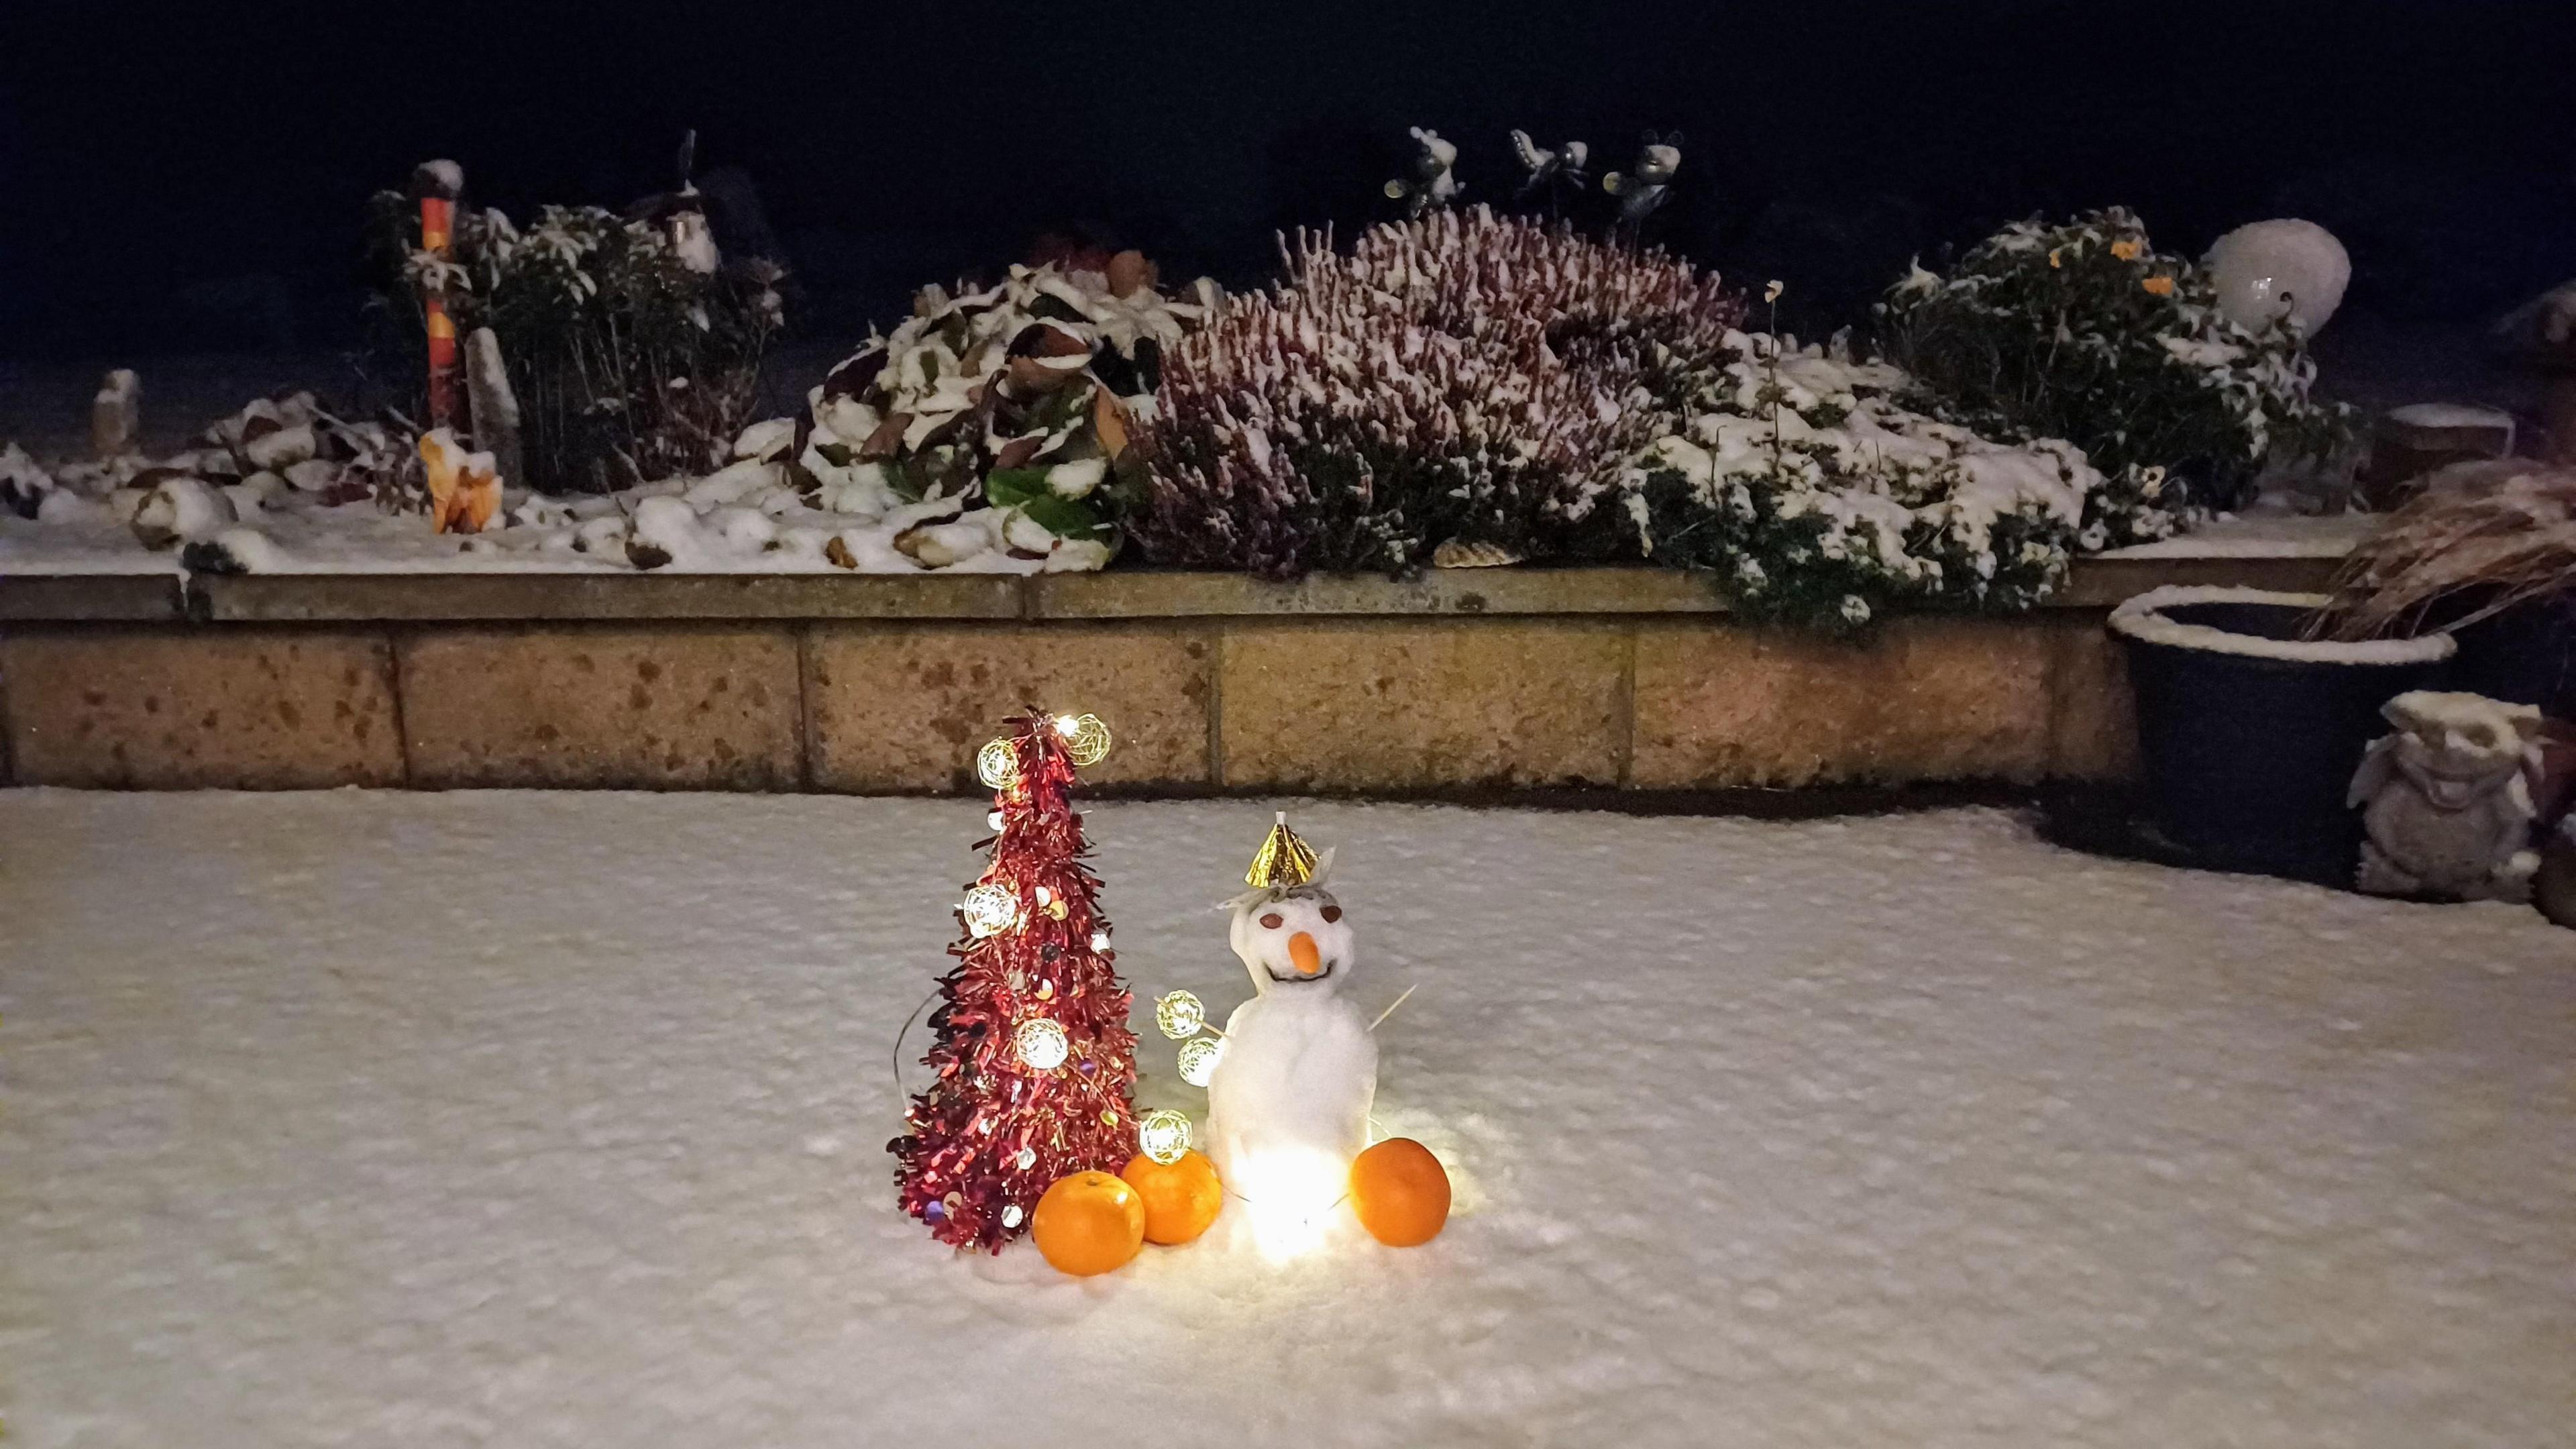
<point>192,177</point>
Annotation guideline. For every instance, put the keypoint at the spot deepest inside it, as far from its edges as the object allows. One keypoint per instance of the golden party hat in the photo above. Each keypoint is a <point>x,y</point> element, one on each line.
<point>1283,861</point>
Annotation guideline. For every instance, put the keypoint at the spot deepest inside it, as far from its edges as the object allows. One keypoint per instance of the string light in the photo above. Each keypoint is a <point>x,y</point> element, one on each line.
<point>997,764</point>
<point>993,820</point>
<point>1198,1059</point>
<point>1041,1043</point>
<point>1085,738</point>
<point>1100,940</point>
<point>1163,1135</point>
<point>1011,1216</point>
<point>989,910</point>
<point>1179,1014</point>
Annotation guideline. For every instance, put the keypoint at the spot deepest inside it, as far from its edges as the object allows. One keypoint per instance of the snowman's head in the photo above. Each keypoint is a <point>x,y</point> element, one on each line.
<point>1296,939</point>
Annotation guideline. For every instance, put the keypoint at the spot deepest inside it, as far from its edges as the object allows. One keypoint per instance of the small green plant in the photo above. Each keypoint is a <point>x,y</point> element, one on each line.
<point>2083,331</point>
<point>629,364</point>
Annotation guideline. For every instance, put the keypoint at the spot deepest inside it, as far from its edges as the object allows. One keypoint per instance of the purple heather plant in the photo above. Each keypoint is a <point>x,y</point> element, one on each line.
<point>1458,376</point>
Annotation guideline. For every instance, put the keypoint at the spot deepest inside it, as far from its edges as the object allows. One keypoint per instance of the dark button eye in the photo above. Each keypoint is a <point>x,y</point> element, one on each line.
<point>1332,913</point>
<point>1273,921</point>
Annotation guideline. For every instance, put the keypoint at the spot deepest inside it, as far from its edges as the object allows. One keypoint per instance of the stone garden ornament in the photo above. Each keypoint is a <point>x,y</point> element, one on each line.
<point>2446,804</point>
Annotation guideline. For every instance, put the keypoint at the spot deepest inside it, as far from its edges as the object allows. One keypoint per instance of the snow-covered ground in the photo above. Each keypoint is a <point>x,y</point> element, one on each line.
<point>537,1119</point>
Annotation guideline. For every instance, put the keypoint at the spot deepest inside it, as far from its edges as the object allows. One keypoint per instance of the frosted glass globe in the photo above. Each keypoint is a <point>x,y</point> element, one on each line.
<point>2269,268</point>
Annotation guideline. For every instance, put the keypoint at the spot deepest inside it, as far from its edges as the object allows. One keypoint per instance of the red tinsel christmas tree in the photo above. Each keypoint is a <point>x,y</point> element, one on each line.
<point>1034,1057</point>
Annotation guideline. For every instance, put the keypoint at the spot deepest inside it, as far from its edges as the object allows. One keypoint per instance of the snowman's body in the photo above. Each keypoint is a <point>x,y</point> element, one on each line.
<point>1289,1100</point>
<point>1298,1074</point>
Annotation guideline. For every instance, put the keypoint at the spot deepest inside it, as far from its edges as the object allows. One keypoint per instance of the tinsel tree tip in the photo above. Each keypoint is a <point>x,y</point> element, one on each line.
<point>1283,860</point>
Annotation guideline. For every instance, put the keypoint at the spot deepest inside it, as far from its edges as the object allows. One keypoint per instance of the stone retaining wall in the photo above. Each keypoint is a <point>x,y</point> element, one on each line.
<point>1633,679</point>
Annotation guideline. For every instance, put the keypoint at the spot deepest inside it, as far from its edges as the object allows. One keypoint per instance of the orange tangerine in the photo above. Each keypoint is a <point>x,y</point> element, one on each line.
<point>1181,1198</point>
<point>1401,1192</point>
<point>1088,1223</point>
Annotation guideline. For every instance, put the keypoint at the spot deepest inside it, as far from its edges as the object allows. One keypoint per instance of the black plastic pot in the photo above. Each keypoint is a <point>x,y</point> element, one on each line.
<point>2249,740</point>
<point>2526,655</point>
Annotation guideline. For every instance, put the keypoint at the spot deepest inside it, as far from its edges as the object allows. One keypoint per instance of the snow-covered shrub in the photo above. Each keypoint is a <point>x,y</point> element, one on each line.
<point>1024,395</point>
<point>2082,331</point>
<point>1816,497</point>
<point>630,364</point>
<point>1458,376</point>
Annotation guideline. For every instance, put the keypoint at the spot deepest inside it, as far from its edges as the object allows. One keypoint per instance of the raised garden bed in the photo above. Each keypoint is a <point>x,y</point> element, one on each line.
<point>1633,680</point>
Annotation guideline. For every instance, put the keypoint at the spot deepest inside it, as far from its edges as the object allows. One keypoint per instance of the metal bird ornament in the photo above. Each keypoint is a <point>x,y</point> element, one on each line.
<point>1552,172</point>
<point>1645,185</point>
<point>1432,184</point>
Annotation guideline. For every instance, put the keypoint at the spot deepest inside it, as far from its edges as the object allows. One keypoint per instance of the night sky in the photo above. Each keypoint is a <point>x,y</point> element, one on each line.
<point>184,176</point>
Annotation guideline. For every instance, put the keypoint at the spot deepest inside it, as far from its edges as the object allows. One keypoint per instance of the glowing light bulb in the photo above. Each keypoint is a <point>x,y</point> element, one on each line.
<point>1085,738</point>
<point>1041,1043</point>
<point>1179,1014</point>
<point>1100,940</point>
<point>993,820</point>
<point>1011,1216</point>
<point>989,910</point>
<point>1027,1159</point>
<point>1198,1059</point>
<point>1290,1194</point>
<point>997,764</point>
<point>1163,1135</point>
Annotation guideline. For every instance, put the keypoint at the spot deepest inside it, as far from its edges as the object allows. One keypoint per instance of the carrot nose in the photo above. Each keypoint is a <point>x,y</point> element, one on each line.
<point>1301,951</point>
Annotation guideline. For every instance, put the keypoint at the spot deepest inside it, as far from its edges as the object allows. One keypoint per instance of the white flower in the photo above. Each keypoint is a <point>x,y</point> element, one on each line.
<point>1855,609</point>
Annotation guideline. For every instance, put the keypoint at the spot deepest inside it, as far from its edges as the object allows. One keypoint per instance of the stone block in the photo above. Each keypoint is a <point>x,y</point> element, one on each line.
<point>1723,705</point>
<point>661,707</point>
<point>903,709</point>
<point>232,709</point>
<point>1406,705</point>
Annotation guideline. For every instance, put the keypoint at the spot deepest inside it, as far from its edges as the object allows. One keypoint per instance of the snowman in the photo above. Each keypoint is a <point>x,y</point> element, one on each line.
<point>1288,1103</point>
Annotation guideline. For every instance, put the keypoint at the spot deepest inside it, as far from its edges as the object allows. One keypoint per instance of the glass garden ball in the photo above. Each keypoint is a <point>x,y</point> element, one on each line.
<point>2274,268</point>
